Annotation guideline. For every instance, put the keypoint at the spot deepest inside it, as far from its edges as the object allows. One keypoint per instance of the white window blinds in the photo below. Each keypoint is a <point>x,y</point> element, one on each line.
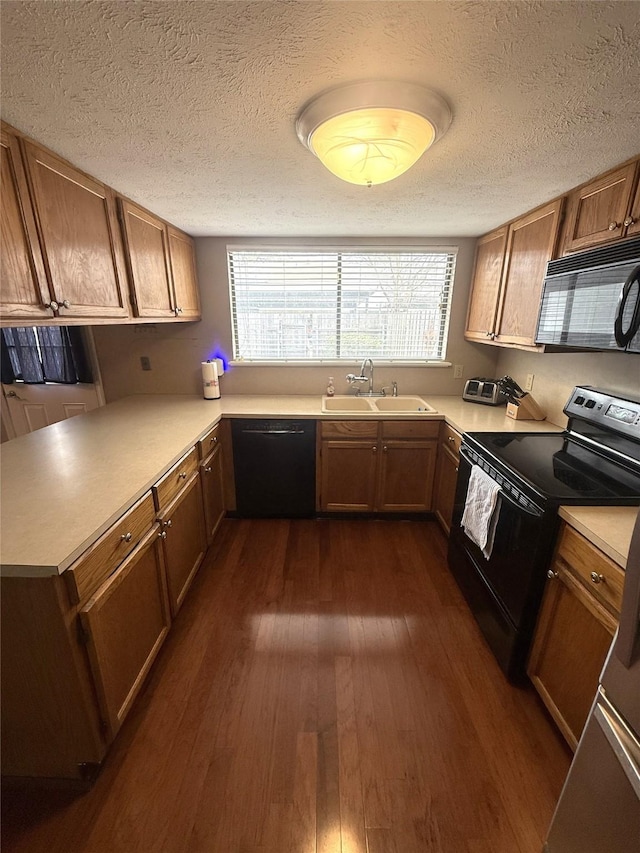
<point>310,305</point>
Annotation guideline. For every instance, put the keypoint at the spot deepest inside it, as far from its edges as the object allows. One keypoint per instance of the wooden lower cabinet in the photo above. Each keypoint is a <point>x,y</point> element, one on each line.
<point>406,475</point>
<point>126,622</point>
<point>77,647</point>
<point>183,540</point>
<point>446,475</point>
<point>577,621</point>
<point>368,466</point>
<point>50,719</point>
<point>212,480</point>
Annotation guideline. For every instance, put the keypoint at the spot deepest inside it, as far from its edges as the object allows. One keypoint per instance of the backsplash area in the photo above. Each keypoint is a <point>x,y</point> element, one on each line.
<point>175,351</point>
<point>556,374</point>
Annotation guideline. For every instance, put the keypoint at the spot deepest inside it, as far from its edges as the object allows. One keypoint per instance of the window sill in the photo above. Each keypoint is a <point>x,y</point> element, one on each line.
<point>334,363</point>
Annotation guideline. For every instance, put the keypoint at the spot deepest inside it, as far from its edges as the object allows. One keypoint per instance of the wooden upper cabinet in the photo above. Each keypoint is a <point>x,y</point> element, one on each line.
<point>487,275</point>
<point>147,252</point>
<point>80,238</point>
<point>632,221</point>
<point>185,278</point>
<point>597,212</point>
<point>531,244</point>
<point>23,280</point>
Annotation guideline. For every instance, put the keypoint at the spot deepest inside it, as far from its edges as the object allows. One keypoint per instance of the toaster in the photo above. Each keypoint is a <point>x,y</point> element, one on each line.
<point>487,391</point>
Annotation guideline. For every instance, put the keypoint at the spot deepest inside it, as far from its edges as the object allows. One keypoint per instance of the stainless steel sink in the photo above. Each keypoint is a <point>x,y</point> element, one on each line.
<point>373,405</point>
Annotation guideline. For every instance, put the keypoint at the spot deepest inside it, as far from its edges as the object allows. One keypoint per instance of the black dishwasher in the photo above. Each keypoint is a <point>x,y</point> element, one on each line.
<point>274,463</point>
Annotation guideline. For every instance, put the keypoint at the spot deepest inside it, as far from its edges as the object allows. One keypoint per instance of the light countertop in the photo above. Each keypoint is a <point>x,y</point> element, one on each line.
<point>608,528</point>
<point>64,485</point>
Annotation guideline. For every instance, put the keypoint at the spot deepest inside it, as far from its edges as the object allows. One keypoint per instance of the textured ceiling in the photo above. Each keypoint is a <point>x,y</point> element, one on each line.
<point>189,107</point>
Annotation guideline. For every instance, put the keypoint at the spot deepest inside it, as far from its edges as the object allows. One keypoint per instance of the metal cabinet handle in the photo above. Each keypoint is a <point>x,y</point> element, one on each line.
<point>65,304</point>
<point>182,475</point>
<point>126,537</point>
<point>208,469</point>
<point>213,439</point>
<point>450,438</point>
<point>374,449</point>
<point>167,523</point>
<point>53,305</point>
<point>551,574</point>
<point>178,311</point>
<point>456,470</point>
<point>385,449</point>
<point>613,226</point>
<point>162,535</point>
<point>596,578</point>
<point>629,221</point>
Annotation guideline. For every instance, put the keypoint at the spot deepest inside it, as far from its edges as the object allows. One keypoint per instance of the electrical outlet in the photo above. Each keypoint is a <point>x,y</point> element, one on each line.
<point>528,385</point>
<point>457,371</point>
<point>145,362</point>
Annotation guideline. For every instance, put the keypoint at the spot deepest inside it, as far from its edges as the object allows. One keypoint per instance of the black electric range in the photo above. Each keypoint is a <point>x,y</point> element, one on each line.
<point>594,462</point>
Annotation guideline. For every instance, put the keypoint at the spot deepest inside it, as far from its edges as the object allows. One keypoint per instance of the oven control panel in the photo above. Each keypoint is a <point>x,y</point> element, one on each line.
<point>599,407</point>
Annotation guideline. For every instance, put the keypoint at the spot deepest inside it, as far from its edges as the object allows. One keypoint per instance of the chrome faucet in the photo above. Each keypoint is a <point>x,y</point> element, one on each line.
<point>362,373</point>
<point>352,378</point>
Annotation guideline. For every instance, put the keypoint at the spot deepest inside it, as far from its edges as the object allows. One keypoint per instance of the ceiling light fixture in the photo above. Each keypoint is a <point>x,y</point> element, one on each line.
<point>371,132</point>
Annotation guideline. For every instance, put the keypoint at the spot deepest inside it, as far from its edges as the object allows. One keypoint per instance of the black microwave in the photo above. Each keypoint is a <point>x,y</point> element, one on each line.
<point>591,300</point>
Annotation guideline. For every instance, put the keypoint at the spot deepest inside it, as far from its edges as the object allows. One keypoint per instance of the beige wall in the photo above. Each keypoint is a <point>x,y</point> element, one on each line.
<point>556,374</point>
<point>176,350</point>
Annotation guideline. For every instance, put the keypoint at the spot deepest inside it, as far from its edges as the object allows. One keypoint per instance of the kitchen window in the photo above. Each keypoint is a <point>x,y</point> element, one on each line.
<point>312,305</point>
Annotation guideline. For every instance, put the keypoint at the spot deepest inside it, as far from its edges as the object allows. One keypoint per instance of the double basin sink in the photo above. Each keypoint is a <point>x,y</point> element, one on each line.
<point>376,405</point>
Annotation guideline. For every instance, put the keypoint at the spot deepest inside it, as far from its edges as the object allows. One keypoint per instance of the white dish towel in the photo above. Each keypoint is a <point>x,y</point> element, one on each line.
<point>481,510</point>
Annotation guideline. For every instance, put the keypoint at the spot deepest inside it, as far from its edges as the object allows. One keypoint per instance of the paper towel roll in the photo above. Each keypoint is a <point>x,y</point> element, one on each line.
<point>210,383</point>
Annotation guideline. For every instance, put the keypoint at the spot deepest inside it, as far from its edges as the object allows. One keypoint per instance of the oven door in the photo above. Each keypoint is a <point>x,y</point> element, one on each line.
<point>504,591</point>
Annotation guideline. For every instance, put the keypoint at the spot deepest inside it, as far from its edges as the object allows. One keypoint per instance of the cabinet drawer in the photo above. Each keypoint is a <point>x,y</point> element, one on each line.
<point>410,429</point>
<point>349,429</point>
<point>450,438</point>
<point>105,555</point>
<point>209,442</point>
<point>601,576</point>
<point>169,486</point>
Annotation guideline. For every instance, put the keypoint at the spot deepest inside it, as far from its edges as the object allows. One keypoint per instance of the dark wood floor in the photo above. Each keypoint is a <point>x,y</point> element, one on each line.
<point>323,690</point>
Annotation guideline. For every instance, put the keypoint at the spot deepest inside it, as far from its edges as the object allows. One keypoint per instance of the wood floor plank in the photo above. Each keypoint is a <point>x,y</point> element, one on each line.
<point>323,689</point>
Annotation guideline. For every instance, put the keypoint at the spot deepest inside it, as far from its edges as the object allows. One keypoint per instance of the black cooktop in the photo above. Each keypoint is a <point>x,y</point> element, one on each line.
<point>558,468</point>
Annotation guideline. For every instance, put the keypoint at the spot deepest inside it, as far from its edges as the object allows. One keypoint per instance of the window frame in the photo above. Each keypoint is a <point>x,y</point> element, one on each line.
<point>302,248</point>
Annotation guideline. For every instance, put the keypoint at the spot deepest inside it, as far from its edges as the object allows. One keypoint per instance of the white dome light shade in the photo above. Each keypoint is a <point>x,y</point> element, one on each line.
<point>370,133</point>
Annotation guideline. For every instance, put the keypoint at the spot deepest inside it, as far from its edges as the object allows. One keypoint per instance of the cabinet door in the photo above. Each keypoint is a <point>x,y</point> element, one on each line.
<point>632,221</point>
<point>530,246</point>
<point>597,211</point>
<point>81,241</point>
<point>126,622</point>
<point>487,275</point>
<point>183,540</point>
<point>147,253</point>
<point>185,278</point>
<point>212,492</point>
<point>348,475</point>
<point>571,642</point>
<point>445,486</point>
<point>406,476</point>
<point>25,293</point>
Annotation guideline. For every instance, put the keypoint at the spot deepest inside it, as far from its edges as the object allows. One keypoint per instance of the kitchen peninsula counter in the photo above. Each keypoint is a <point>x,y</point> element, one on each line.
<point>64,485</point>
